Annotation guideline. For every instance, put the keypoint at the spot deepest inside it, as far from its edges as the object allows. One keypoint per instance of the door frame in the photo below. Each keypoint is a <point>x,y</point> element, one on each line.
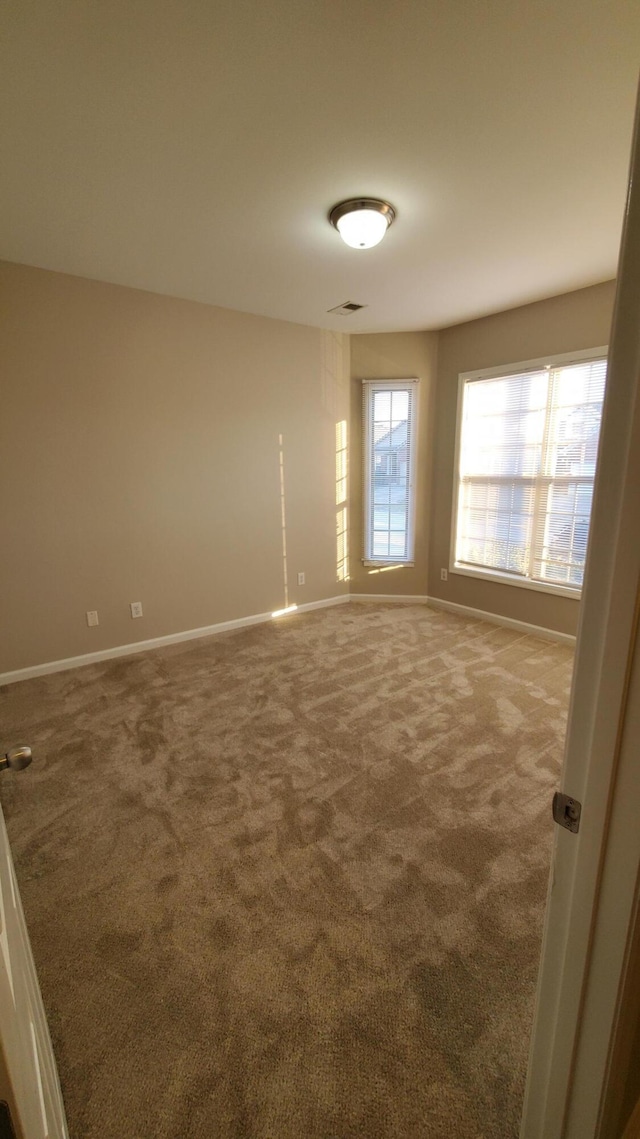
<point>593,891</point>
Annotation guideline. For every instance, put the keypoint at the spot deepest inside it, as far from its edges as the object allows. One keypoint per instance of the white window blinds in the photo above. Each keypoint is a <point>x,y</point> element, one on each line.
<point>389,425</point>
<point>527,459</point>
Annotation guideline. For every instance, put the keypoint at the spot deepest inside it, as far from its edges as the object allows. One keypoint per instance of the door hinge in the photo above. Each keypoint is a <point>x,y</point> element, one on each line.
<point>16,759</point>
<point>567,811</point>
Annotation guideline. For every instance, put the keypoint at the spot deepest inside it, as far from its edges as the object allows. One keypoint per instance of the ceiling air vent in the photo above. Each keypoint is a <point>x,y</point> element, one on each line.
<point>346,309</point>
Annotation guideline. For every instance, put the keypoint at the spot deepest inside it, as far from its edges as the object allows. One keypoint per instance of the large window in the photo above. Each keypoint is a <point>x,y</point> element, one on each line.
<point>390,415</point>
<point>527,448</point>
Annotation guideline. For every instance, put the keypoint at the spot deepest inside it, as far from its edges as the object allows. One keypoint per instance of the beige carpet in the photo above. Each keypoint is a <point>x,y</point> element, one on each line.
<point>288,883</point>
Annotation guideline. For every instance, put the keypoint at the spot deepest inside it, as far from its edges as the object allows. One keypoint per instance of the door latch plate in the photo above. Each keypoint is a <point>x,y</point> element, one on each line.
<point>567,811</point>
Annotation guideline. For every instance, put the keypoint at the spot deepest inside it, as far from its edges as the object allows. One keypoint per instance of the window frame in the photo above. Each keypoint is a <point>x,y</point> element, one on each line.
<point>558,360</point>
<point>369,387</point>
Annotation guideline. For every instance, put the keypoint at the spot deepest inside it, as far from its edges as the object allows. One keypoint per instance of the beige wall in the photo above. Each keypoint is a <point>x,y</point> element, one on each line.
<point>141,458</point>
<point>562,324</point>
<point>397,355</point>
<point>139,438</point>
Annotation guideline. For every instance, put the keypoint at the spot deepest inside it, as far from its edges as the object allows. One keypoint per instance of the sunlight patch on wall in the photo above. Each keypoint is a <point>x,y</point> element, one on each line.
<point>334,372</point>
<point>342,534</point>
<point>283,517</point>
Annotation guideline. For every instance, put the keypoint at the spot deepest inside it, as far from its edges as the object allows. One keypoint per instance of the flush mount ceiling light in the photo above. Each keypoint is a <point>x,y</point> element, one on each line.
<point>362,222</point>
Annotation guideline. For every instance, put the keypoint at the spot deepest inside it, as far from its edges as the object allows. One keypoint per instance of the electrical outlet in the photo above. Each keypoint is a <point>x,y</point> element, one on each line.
<point>136,609</point>
<point>443,575</point>
<point>300,579</point>
<point>92,618</point>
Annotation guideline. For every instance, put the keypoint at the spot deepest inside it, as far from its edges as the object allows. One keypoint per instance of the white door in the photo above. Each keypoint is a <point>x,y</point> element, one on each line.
<point>30,1098</point>
<point>593,895</point>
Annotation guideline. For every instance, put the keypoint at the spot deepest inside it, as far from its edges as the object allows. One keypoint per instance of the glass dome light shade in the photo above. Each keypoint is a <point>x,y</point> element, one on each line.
<point>362,229</point>
<point>362,222</point>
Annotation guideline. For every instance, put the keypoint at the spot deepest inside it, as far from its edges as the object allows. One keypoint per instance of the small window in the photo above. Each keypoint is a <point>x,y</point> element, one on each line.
<point>390,421</point>
<point>527,449</point>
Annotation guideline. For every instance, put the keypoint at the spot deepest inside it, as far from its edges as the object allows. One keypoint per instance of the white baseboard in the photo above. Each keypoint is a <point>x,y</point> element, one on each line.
<point>399,597</point>
<point>465,610</point>
<point>261,618</point>
<point>158,642</point>
<point>497,619</point>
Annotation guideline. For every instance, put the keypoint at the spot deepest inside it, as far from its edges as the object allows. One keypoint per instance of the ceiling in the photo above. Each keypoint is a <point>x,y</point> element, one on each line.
<point>195,147</point>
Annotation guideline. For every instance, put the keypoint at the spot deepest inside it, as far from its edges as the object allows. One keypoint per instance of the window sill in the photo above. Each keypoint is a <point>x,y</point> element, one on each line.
<point>521,583</point>
<point>387,564</point>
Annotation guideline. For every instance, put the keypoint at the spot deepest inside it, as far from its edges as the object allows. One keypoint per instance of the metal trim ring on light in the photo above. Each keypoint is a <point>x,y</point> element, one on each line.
<point>353,205</point>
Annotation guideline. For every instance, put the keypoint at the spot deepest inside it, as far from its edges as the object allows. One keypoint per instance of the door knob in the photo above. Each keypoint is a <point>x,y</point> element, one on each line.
<point>17,759</point>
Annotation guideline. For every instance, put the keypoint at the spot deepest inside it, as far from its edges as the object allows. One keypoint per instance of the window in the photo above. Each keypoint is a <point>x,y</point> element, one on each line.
<point>527,448</point>
<point>390,419</point>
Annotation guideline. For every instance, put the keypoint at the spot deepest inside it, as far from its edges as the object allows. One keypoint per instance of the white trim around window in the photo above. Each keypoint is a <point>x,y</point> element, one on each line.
<point>537,480</point>
<point>390,434</point>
